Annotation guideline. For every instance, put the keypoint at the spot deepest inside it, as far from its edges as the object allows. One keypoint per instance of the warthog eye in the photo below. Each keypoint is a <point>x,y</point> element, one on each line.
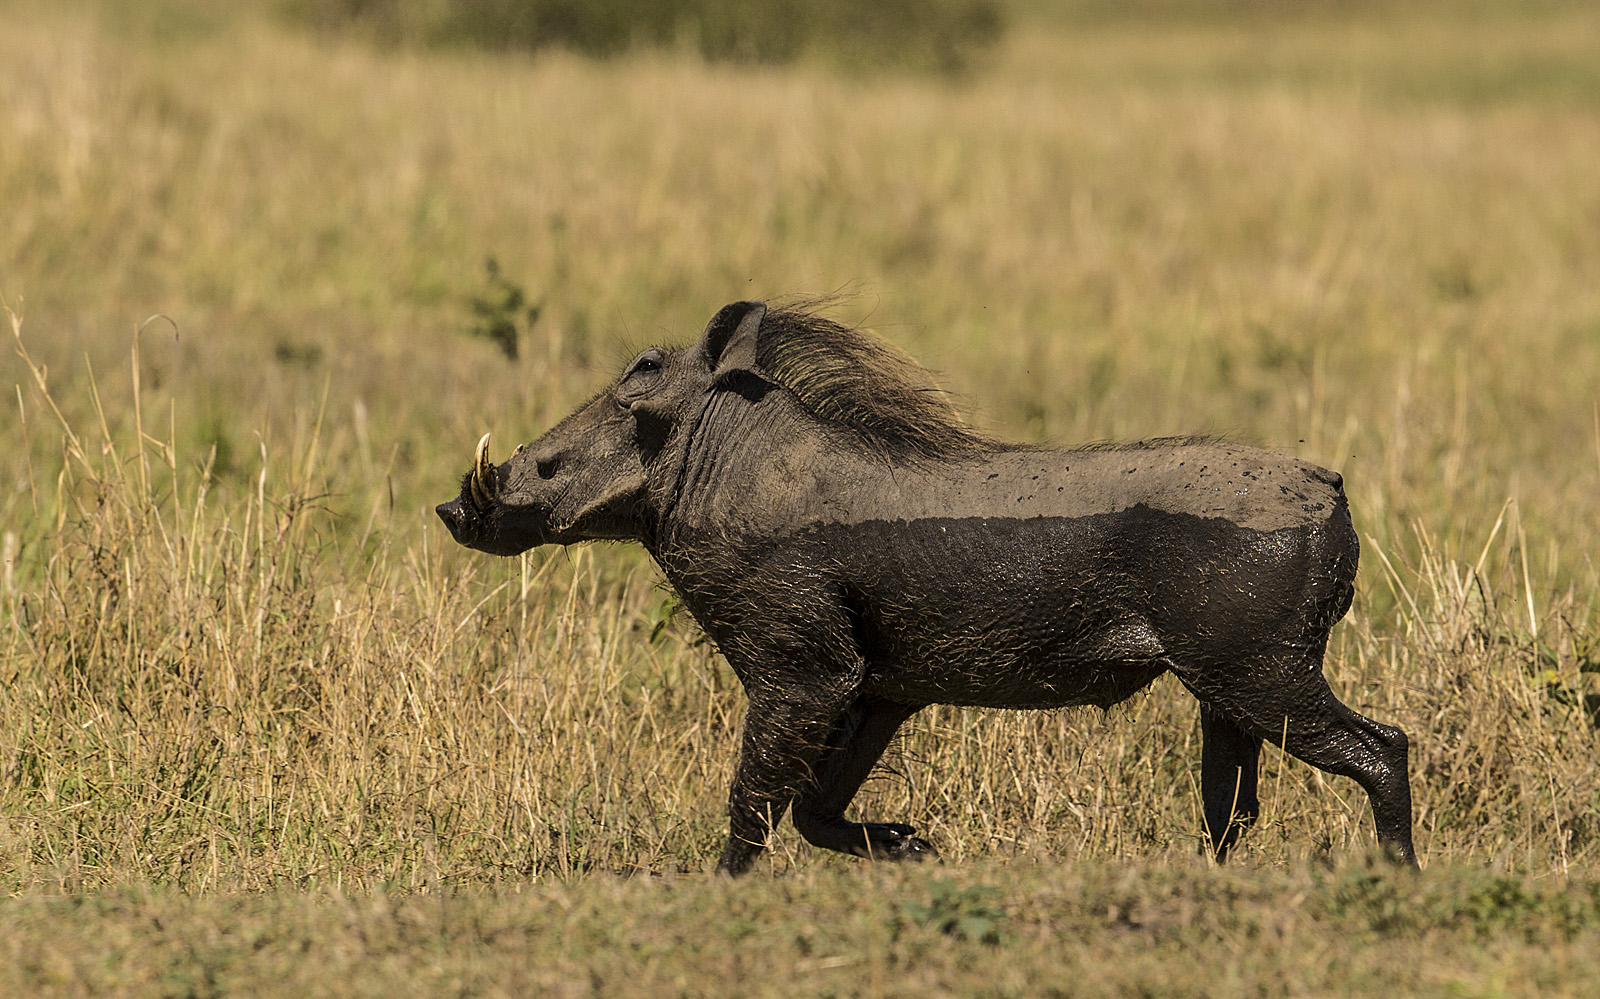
<point>648,363</point>
<point>641,376</point>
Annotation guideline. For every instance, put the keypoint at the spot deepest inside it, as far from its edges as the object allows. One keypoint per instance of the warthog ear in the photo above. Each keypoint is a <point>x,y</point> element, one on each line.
<point>729,343</point>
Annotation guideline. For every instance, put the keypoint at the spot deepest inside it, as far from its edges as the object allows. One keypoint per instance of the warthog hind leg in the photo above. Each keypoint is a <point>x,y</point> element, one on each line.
<point>1229,761</point>
<point>1284,698</point>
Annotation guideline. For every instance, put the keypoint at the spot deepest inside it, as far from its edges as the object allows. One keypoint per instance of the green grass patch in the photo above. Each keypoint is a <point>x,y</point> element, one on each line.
<point>1020,930</point>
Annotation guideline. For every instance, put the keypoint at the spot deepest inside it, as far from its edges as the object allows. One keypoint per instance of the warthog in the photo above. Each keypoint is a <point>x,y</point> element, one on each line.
<point>857,553</point>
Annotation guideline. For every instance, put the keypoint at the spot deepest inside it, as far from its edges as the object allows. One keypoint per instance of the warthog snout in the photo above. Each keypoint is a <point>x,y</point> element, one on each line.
<point>465,514</point>
<point>453,517</point>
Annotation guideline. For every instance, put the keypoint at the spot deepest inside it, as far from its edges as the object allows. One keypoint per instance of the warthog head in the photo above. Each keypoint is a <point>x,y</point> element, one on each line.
<point>591,477</point>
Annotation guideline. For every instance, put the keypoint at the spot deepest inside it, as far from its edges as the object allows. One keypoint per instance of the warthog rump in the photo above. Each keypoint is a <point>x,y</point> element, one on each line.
<point>857,553</point>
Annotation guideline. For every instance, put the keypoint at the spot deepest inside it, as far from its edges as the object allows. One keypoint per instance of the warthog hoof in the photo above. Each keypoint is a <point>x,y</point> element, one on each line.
<point>894,841</point>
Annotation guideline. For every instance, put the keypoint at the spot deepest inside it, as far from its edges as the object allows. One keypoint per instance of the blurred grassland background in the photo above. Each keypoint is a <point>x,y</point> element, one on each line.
<point>238,652</point>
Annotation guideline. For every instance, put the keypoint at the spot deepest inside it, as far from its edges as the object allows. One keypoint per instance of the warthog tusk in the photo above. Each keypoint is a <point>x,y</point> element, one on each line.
<point>482,494</point>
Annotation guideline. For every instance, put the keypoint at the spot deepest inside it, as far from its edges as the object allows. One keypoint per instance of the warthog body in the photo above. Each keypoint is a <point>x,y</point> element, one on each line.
<point>857,554</point>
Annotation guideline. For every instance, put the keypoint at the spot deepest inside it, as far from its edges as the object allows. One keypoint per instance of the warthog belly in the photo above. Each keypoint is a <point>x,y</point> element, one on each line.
<point>1051,611</point>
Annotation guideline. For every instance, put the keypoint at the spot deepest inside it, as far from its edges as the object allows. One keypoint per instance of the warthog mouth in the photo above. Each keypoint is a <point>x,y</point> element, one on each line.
<point>467,515</point>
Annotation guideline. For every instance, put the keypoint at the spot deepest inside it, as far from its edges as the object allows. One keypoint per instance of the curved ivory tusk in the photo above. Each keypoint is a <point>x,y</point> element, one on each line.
<point>482,494</point>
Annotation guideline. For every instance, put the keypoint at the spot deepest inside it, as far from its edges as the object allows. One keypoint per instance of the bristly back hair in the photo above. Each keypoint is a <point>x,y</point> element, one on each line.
<point>853,380</point>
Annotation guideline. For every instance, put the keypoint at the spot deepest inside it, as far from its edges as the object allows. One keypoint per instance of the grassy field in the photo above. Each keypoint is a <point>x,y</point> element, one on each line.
<point>983,930</point>
<point>255,705</point>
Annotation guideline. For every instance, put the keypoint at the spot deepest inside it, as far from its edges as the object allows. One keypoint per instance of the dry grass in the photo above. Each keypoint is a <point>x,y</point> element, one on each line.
<point>236,653</point>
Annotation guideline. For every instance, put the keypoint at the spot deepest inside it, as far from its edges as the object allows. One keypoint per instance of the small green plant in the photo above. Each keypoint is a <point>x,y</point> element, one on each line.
<point>500,310</point>
<point>964,913</point>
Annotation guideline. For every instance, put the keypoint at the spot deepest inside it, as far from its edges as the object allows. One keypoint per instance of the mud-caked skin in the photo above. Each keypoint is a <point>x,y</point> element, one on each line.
<point>857,554</point>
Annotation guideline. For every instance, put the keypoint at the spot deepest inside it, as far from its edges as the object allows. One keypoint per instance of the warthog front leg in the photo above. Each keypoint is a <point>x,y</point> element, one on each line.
<point>783,739</point>
<point>858,741</point>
